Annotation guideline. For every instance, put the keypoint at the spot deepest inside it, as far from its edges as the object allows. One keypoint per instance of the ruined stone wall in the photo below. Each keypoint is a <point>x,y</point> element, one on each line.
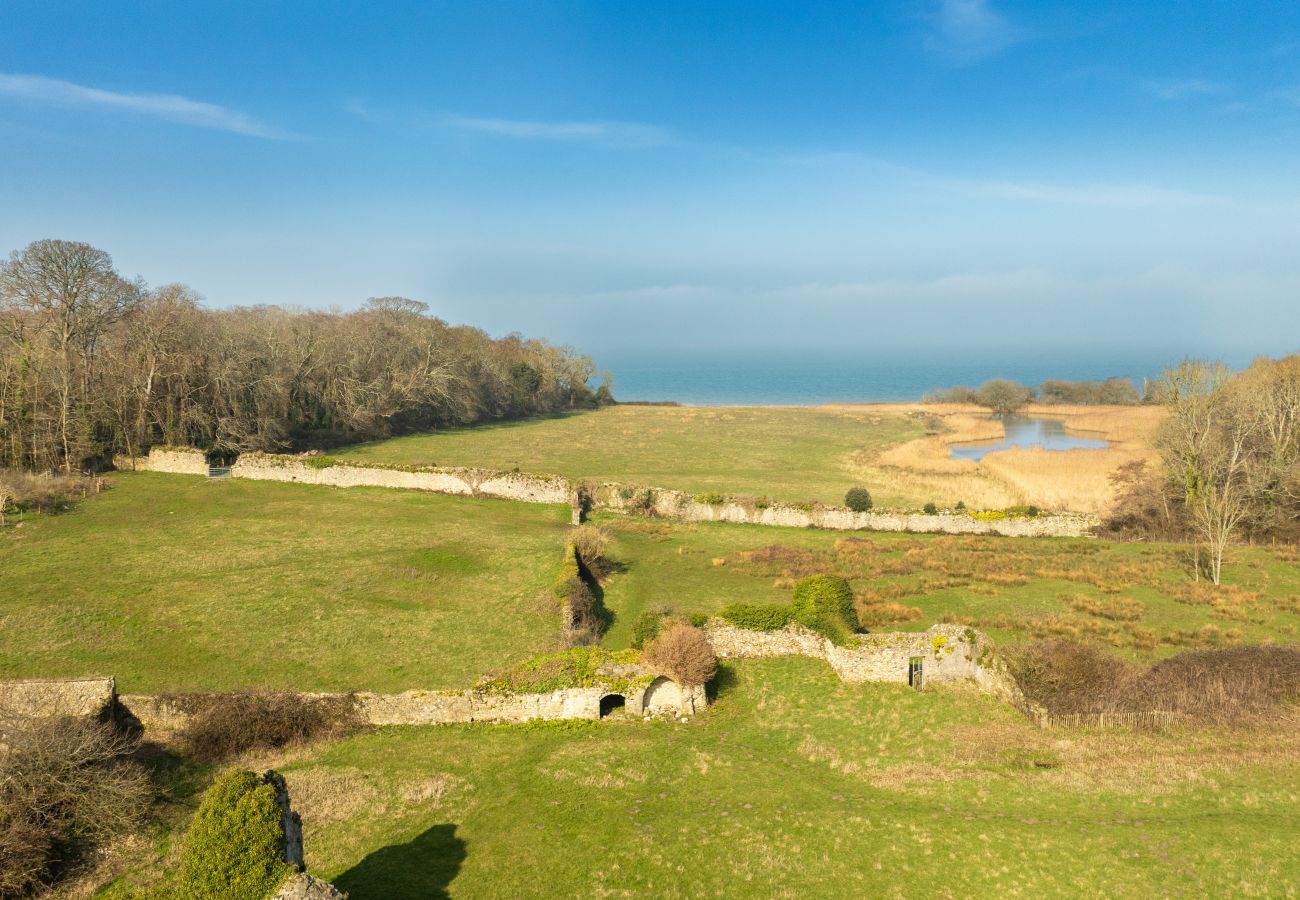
<point>680,505</point>
<point>949,653</point>
<point>459,707</point>
<point>177,460</point>
<point>518,486</point>
<point>57,697</point>
<point>533,488</point>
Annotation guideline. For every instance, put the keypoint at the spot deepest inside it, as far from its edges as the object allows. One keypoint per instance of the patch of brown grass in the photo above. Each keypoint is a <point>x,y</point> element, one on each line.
<point>874,615</point>
<point>1119,609</point>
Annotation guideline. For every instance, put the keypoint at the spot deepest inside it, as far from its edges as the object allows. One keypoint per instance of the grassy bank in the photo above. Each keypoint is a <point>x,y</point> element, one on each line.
<point>795,785</point>
<point>176,582</point>
<point>786,453</point>
<point>1136,597</point>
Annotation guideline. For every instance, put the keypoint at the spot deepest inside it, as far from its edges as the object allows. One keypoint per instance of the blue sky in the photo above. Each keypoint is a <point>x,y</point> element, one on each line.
<point>646,175</point>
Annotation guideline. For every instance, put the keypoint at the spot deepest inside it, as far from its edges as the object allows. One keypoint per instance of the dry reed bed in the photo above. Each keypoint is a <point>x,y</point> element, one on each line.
<point>1075,481</point>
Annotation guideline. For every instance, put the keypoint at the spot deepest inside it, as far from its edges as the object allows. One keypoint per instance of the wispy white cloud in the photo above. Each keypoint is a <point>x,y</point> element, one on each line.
<point>625,134</point>
<point>1183,88</point>
<point>1121,196</point>
<point>169,107</point>
<point>1133,195</point>
<point>967,31</point>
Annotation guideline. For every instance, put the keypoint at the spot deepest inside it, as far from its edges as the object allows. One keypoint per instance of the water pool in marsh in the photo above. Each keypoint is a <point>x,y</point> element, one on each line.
<point>1049,434</point>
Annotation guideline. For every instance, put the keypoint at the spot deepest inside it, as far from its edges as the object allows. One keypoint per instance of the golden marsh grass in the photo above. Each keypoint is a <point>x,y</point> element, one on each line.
<point>1072,480</point>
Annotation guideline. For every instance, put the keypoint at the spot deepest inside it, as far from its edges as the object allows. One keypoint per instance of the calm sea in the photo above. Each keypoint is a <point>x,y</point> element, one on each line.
<point>784,378</point>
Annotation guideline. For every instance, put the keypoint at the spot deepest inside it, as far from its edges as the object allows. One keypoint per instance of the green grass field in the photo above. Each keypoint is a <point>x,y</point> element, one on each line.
<point>795,785</point>
<point>172,582</point>
<point>786,453</point>
<point>1136,597</point>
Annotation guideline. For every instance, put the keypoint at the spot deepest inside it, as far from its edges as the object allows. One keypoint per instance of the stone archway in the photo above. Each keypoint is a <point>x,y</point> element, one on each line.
<point>663,695</point>
<point>611,703</point>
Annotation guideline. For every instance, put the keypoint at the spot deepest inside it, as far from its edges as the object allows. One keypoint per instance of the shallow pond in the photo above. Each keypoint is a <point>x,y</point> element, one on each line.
<point>1049,434</point>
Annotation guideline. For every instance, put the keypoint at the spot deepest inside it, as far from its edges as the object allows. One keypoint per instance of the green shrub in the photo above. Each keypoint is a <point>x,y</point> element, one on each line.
<point>930,509</point>
<point>235,846</point>
<point>646,628</point>
<point>321,462</point>
<point>824,603</point>
<point>758,617</point>
<point>711,498</point>
<point>699,620</point>
<point>858,499</point>
<point>568,571</point>
<point>572,668</point>
<point>961,506</point>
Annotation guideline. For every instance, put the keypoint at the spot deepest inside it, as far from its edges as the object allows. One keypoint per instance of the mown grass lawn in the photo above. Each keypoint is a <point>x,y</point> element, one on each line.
<point>1137,597</point>
<point>172,582</point>
<point>785,453</point>
<point>795,785</point>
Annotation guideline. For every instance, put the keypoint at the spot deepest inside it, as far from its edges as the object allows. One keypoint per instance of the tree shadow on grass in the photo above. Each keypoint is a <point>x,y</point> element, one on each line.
<point>417,870</point>
<point>724,681</point>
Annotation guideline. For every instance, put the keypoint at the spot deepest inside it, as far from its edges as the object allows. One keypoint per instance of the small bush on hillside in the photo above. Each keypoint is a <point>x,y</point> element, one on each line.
<point>1004,397</point>
<point>824,603</point>
<point>646,628</point>
<point>1066,677</point>
<point>65,785</point>
<point>698,619</point>
<point>222,725</point>
<point>1222,687</point>
<point>711,498</point>
<point>1229,686</point>
<point>930,509</point>
<point>961,506</point>
<point>757,617</point>
<point>591,542</point>
<point>858,499</point>
<point>235,846</point>
<point>684,654</point>
<point>320,461</point>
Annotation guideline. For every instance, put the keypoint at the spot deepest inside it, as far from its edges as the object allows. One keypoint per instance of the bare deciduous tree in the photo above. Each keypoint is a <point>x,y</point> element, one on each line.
<point>1230,447</point>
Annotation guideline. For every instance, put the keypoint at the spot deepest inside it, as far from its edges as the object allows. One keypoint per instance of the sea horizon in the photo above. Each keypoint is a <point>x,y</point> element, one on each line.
<point>794,378</point>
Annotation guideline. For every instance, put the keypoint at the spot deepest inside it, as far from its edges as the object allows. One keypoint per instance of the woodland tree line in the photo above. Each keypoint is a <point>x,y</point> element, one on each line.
<point>93,364</point>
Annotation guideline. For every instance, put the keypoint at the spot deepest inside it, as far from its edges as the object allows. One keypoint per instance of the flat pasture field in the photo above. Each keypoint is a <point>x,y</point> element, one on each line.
<point>796,785</point>
<point>172,582</point>
<point>794,454</point>
<point>1138,598</point>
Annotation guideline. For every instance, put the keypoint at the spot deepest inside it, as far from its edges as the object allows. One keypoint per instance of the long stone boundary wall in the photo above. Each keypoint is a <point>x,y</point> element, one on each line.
<point>630,499</point>
<point>659,697</point>
<point>680,505</point>
<point>948,653</point>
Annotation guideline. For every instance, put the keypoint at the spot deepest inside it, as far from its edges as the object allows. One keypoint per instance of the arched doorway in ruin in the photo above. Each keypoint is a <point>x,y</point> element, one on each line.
<point>663,695</point>
<point>611,703</point>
